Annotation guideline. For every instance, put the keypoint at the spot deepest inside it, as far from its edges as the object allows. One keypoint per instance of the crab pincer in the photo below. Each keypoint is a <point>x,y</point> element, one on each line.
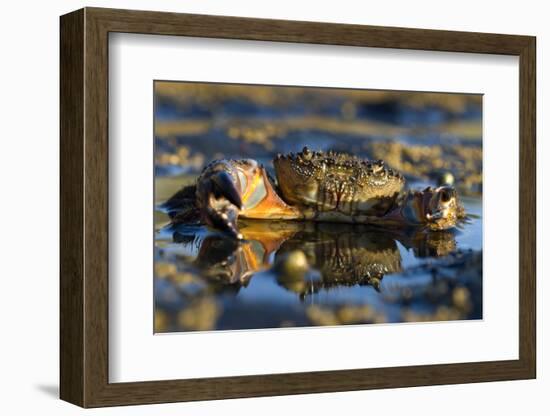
<point>219,197</point>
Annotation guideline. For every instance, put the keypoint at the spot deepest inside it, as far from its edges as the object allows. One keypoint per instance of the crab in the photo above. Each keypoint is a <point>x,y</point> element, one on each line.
<point>313,186</point>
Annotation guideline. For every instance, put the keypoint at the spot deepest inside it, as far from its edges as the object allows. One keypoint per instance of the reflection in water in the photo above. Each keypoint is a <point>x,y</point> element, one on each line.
<point>216,281</point>
<point>344,256</point>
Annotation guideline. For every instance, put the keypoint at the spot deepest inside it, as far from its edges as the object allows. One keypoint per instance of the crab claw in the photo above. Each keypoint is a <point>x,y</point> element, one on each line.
<point>219,197</point>
<point>437,209</point>
<point>442,208</point>
<point>224,185</point>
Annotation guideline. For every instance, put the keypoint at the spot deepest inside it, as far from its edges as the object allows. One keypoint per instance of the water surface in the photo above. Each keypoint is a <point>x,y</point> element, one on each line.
<point>206,280</point>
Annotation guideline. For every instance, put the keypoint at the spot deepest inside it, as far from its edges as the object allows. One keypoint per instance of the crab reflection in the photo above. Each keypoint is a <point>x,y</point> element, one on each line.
<point>337,254</point>
<point>343,256</point>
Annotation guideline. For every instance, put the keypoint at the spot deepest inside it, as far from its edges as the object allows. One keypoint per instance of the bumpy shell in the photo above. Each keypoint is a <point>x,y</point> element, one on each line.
<point>329,181</point>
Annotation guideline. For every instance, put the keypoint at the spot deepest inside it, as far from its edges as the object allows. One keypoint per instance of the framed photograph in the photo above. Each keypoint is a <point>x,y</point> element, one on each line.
<point>255,207</point>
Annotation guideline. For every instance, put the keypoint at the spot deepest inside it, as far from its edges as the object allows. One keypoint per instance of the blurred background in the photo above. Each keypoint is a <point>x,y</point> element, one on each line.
<point>419,134</point>
<point>305,274</point>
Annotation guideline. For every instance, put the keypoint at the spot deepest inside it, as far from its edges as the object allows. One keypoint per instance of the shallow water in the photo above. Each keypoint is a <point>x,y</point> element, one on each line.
<point>205,280</point>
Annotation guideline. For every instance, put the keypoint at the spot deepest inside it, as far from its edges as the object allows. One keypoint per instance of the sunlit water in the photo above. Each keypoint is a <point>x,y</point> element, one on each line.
<point>356,275</point>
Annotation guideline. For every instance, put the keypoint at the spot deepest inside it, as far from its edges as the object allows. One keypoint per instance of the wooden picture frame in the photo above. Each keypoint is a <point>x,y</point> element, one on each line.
<point>84,207</point>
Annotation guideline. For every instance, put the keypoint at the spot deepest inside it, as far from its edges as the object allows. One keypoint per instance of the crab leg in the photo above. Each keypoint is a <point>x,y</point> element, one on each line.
<point>262,202</point>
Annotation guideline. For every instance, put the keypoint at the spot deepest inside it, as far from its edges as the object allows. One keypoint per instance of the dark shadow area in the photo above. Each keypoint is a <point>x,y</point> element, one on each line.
<point>49,390</point>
